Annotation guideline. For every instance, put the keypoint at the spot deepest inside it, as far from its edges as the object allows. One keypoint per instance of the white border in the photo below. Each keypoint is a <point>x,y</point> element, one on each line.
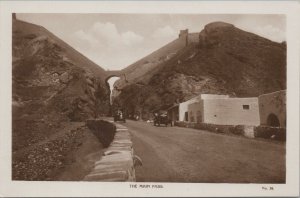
<point>75,189</point>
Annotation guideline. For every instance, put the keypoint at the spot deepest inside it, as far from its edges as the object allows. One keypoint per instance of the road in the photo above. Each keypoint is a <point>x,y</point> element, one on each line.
<point>174,154</point>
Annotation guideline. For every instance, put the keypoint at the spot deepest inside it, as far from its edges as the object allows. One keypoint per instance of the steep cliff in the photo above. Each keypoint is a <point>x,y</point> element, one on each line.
<point>226,60</point>
<point>51,83</point>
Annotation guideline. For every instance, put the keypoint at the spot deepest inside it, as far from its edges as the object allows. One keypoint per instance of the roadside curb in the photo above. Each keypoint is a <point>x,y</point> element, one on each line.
<point>117,162</point>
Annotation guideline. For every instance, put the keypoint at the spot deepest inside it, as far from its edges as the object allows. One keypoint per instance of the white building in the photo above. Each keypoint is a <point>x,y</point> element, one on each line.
<point>183,107</point>
<point>225,111</point>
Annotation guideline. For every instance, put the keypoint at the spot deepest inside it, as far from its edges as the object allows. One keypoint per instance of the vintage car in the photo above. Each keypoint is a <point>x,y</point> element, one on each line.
<point>119,116</point>
<point>161,118</point>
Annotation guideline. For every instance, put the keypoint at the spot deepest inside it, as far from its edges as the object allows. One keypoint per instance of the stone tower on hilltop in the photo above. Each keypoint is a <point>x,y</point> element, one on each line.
<point>183,36</point>
<point>187,38</point>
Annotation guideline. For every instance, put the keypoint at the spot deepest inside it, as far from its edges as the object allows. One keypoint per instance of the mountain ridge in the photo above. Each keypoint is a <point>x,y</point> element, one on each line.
<point>226,60</point>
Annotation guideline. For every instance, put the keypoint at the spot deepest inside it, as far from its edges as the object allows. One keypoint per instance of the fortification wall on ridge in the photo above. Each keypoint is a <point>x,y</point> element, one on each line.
<point>187,38</point>
<point>193,38</point>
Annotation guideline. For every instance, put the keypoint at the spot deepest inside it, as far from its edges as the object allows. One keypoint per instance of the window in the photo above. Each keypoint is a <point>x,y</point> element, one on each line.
<point>247,107</point>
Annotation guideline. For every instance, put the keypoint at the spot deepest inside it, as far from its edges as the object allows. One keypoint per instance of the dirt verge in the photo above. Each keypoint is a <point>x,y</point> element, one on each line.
<point>67,155</point>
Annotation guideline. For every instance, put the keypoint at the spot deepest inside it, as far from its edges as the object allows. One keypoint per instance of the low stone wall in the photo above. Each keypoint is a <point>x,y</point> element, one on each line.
<point>266,132</point>
<point>118,160</point>
<point>103,130</point>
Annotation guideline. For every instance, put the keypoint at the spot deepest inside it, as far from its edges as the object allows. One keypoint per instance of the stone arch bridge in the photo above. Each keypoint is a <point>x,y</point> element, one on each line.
<point>113,73</point>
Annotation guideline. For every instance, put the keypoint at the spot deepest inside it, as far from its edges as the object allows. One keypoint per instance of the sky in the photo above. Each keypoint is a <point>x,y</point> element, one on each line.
<point>114,41</point>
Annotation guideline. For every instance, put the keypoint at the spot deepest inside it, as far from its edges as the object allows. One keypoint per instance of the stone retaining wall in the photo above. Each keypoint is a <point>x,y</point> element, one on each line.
<point>117,162</point>
<point>103,130</point>
<point>266,132</point>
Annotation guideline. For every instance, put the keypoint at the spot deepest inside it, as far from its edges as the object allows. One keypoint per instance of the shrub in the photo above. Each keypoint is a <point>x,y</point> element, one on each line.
<point>237,130</point>
<point>267,132</point>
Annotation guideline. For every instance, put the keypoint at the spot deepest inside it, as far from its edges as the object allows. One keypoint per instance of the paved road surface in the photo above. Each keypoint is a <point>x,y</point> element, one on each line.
<point>173,154</point>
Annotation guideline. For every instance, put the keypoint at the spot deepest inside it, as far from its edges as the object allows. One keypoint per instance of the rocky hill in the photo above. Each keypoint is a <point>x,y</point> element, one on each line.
<point>225,60</point>
<point>51,83</point>
<point>137,71</point>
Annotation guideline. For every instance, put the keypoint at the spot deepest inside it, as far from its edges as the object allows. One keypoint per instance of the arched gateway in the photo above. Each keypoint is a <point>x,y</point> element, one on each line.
<point>113,73</point>
<point>273,120</point>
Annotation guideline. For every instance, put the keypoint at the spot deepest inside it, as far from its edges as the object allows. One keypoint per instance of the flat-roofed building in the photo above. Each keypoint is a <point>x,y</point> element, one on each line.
<point>179,112</point>
<point>216,109</point>
<point>272,109</point>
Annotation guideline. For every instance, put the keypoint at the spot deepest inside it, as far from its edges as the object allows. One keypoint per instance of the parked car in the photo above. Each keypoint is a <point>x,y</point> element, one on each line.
<point>161,119</point>
<point>119,116</point>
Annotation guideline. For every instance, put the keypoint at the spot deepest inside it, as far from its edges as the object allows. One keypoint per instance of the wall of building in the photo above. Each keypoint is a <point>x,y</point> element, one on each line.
<point>183,107</point>
<point>231,111</point>
<point>173,113</point>
<point>196,112</point>
<point>273,103</point>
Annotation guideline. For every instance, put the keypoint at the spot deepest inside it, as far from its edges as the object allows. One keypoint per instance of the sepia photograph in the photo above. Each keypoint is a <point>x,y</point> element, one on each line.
<point>150,99</point>
<point>189,98</point>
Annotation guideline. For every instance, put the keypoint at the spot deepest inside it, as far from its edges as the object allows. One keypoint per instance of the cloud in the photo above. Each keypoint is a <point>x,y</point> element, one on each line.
<point>108,47</point>
<point>267,31</point>
<point>83,36</point>
<point>130,38</point>
<point>271,32</point>
<point>161,36</point>
<point>164,32</point>
<point>108,33</point>
<point>105,32</point>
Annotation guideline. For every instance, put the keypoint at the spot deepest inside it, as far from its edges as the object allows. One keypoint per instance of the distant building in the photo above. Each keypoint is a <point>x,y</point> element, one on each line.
<point>179,112</point>
<point>268,109</point>
<point>272,109</point>
<point>225,111</point>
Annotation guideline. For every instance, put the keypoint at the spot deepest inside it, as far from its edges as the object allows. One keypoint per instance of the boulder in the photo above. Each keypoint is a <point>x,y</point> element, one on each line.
<point>64,77</point>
